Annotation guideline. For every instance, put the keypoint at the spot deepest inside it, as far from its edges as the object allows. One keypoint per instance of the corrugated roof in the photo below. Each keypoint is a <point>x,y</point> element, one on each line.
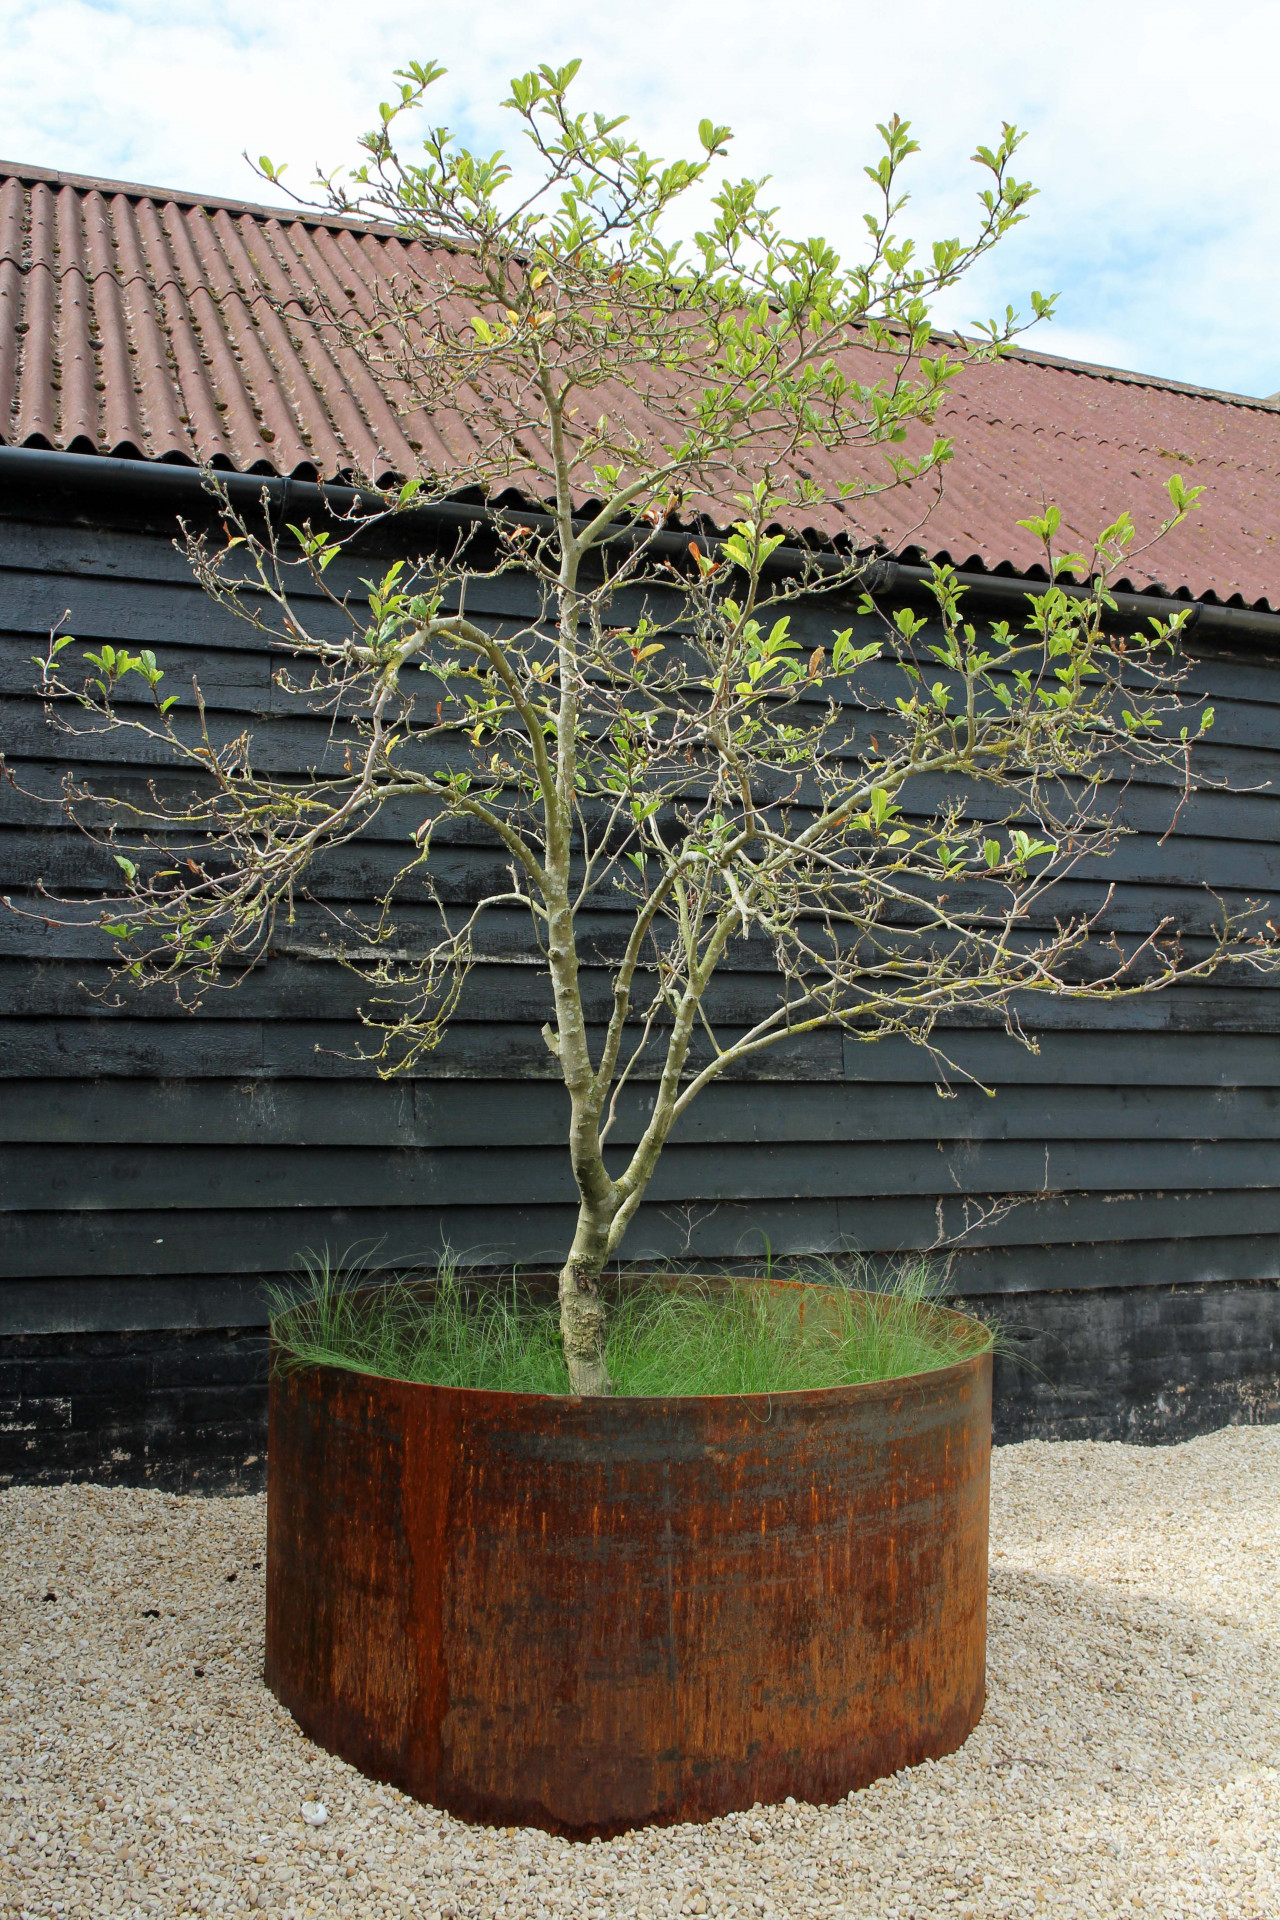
<point>139,321</point>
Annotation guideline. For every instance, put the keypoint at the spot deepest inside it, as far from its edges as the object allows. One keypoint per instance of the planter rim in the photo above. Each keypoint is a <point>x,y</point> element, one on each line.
<point>791,1395</point>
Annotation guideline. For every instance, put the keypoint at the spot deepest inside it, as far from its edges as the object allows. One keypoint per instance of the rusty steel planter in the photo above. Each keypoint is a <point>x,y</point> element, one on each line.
<point>590,1615</point>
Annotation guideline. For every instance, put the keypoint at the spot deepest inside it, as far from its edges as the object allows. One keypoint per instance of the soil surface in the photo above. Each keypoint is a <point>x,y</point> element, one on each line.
<point>1128,1761</point>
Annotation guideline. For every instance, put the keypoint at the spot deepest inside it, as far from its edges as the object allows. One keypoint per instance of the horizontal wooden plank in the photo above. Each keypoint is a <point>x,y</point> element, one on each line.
<point>280,746</point>
<point>138,612</point>
<point>292,744</point>
<point>478,1113</point>
<point>190,634</point>
<point>86,553</point>
<point>498,1029</point>
<point>1203,1260</point>
<point>1208,814</point>
<point>117,1305</point>
<point>1209,669</point>
<point>1077,1059</point>
<point>1174,877</point>
<point>195,1048</point>
<point>171,616</point>
<point>1138,801</point>
<point>83,552</point>
<point>28,933</point>
<point>143,613</point>
<point>256,1112</point>
<point>28,930</point>
<point>260,1240</point>
<point>1002,1277</point>
<point>1144,876</point>
<point>71,1244</point>
<point>1194,1049</point>
<point>231,682</point>
<point>120,1179</point>
<point>1210,1009</point>
<point>505,991</point>
<point>90,558</point>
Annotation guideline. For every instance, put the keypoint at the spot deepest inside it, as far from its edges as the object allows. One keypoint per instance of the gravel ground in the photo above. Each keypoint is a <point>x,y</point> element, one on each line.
<point>1128,1761</point>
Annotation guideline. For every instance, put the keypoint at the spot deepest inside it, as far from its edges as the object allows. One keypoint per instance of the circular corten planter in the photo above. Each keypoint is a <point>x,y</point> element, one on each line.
<point>590,1615</point>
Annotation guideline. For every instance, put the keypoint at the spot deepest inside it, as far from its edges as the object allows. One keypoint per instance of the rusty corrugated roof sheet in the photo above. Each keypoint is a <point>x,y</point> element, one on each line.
<point>137,321</point>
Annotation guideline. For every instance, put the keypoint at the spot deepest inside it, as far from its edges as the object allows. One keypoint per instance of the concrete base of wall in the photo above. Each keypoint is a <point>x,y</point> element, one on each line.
<point>186,1411</point>
<point>1148,1365</point>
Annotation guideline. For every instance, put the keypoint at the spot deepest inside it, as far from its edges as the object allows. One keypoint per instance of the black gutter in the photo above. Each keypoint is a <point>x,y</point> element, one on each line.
<point>1008,593</point>
<point>97,489</point>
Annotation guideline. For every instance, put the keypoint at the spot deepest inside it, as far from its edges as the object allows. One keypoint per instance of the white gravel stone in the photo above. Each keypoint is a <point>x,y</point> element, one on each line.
<point>1128,1762</point>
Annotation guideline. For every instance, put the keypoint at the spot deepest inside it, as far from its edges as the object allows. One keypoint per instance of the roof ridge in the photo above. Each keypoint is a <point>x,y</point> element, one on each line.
<point>1130,377</point>
<point>180,197</point>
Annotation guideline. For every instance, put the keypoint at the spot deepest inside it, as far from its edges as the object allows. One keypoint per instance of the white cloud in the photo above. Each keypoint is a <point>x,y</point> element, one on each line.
<point>1153,131</point>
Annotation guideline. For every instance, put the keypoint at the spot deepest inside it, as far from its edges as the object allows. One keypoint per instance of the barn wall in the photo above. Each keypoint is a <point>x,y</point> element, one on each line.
<point>156,1167</point>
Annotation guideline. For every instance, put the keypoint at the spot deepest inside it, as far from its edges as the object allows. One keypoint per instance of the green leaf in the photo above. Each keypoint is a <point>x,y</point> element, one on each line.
<point>1181,496</point>
<point>846,658</point>
<point>44,659</point>
<point>1043,526</point>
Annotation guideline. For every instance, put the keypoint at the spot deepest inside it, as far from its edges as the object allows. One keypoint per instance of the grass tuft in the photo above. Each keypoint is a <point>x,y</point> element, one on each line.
<point>669,1335</point>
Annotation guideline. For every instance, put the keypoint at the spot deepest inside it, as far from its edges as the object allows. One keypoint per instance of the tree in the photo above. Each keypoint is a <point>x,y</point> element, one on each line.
<point>889,811</point>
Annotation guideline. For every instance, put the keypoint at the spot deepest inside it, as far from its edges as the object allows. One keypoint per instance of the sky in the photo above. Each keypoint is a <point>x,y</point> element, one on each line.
<point>1152,129</point>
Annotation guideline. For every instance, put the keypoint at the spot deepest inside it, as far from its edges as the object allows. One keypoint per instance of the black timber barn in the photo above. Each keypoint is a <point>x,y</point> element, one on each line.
<point>156,1168</point>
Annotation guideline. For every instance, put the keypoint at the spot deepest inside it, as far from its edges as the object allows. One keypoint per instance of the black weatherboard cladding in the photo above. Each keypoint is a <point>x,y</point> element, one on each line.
<point>155,1167</point>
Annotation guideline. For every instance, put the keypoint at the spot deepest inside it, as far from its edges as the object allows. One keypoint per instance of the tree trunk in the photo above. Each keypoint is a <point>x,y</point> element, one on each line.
<point>584,1317</point>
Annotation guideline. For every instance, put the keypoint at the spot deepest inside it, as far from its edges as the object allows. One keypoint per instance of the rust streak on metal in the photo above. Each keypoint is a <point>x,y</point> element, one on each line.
<point>593,1615</point>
